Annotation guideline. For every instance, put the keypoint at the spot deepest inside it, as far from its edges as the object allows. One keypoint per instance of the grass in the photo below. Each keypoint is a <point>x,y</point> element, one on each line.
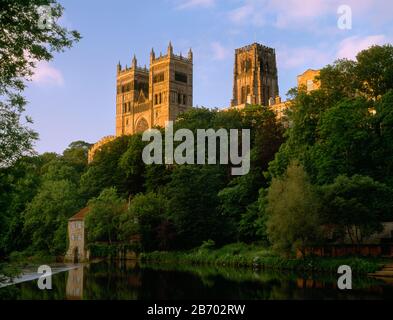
<point>244,255</point>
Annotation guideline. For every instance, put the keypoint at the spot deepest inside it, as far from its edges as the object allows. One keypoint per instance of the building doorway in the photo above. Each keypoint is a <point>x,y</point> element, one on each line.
<point>76,255</point>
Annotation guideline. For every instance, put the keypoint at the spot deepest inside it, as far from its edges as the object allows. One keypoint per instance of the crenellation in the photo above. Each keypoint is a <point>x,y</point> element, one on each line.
<point>148,97</point>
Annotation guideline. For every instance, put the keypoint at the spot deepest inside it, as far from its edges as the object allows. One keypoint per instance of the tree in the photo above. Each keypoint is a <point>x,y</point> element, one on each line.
<point>358,205</point>
<point>102,221</point>
<point>19,184</point>
<point>146,215</point>
<point>23,43</point>
<point>104,171</point>
<point>338,128</point>
<point>193,203</point>
<point>46,216</point>
<point>375,68</point>
<point>76,155</point>
<point>132,166</point>
<point>292,207</point>
<point>346,139</point>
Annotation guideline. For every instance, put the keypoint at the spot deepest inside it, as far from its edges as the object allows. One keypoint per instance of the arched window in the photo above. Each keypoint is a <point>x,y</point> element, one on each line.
<point>142,126</point>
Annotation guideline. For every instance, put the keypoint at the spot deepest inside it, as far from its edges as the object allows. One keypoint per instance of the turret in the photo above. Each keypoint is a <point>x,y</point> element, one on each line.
<point>134,62</point>
<point>170,49</point>
<point>190,55</point>
<point>118,67</point>
<point>152,55</point>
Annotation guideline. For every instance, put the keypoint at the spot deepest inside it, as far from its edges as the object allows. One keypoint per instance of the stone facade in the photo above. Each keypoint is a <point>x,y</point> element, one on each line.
<point>148,98</point>
<point>309,80</point>
<point>77,251</point>
<point>255,76</point>
<point>97,146</point>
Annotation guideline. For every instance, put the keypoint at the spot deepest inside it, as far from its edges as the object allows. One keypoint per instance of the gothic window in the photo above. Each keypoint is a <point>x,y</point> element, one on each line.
<point>243,95</point>
<point>159,77</point>
<point>142,126</point>
<point>160,101</point>
<point>181,77</point>
<point>245,65</point>
<point>173,97</point>
<point>155,99</point>
<point>179,98</point>
<point>184,99</point>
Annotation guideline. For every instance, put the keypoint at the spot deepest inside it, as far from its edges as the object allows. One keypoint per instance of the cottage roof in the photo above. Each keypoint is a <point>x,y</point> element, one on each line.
<point>80,215</point>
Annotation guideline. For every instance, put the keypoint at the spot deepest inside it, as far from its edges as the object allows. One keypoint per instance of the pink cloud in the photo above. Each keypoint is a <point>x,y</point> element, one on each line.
<point>289,58</point>
<point>219,51</point>
<point>350,47</point>
<point>45,74</point>
<point>188,4</point>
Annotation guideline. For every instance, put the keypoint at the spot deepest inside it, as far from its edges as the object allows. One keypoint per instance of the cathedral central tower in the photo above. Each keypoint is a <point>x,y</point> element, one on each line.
<point>255,76</point>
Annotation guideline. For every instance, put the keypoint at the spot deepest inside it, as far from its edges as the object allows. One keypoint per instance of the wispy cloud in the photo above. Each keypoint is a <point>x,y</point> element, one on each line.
<point>188,4</point>
<point>350,47</point>
<point>292,58</point>
<point>296,14</point>
<point>45,74</point>
<point>219,52</point>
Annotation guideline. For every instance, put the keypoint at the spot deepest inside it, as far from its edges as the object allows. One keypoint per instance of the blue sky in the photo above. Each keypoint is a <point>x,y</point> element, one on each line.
<point>73,97</point>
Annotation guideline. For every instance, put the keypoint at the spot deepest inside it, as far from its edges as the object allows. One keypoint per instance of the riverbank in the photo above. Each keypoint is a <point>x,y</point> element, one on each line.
<point>255,256</point>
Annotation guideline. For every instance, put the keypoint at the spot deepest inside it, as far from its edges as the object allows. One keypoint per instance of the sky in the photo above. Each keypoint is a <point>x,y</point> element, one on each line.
<point>73,96</point>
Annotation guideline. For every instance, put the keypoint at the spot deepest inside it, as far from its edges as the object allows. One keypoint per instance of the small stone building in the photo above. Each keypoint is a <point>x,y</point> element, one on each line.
<point>77,251</point>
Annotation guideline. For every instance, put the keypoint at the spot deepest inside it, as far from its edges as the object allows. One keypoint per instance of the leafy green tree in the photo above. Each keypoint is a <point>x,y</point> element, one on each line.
<point>238,199</point>
<point>292,206</point>
<point>23,43</point>
<point>46,216</point>
<point>104,171</point>
<point>132,166</point>
<point>102,221</point>
<point>357,205</point>
<point>144,218</point>
<point>18,186</point>
<point>337,129</point>
<point>375,69</point>
<point>76,155</point>
<point>382,154</point>
<point>193,201</point>
<point>346,139</point>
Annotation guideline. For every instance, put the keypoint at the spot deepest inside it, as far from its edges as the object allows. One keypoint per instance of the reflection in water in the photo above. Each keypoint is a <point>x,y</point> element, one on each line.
<point>130,281</point>
<point>74,289</point>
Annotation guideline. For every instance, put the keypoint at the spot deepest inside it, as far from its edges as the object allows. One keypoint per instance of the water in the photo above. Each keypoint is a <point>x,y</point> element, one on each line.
<point>130,281</point>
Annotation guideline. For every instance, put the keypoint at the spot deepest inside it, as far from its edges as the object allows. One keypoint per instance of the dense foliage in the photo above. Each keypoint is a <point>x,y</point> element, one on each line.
<point>331,165</point>
<point>26,38</point>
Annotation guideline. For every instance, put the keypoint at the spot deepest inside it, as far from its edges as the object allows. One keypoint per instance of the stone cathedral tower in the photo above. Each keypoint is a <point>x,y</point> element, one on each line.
<point>150,97</point>
<point>255,76</point>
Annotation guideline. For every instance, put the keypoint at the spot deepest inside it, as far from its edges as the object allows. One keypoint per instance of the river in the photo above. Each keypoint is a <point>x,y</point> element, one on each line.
<point>132,281</point>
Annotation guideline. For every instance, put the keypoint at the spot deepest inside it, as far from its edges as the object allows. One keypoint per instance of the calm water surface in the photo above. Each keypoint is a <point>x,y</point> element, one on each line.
<point>130,281</point>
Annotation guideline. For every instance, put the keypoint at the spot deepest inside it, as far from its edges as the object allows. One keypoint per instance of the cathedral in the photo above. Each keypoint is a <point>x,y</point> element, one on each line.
<point>255,79</point>
<point>148,97</point>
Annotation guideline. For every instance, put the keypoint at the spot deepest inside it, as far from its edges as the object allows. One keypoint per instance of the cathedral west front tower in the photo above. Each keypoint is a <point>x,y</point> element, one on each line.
<point>148,98</point>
